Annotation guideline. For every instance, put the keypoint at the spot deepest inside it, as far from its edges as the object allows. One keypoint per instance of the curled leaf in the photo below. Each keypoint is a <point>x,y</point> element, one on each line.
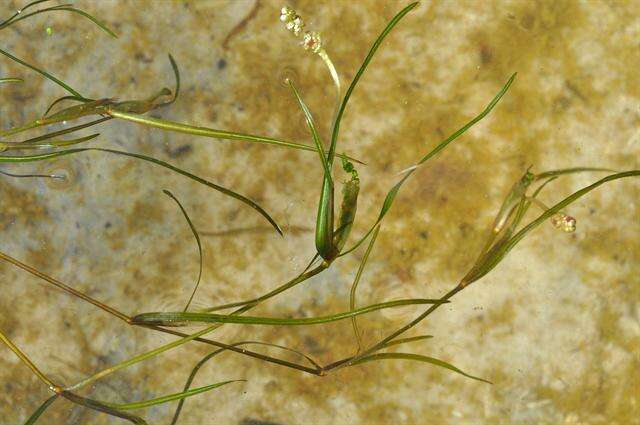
<point>197,237</point>
<point>228,192</point>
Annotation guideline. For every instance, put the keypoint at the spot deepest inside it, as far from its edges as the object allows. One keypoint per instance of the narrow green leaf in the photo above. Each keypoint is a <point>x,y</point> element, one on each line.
<point>542,186</point>
<point>416,357</point>
<point>11,80</point>
<point>509,205</point>
<point>64,131</point>
<point>40,410</point>
<point>101,407</point>
<point>356,78</point>
<point>324,222</point>
<point>92,107</point>
<point>182,319</point>
<point>208,132</point>
<point>42,72</point>
<point>228,192</point>
<point>498,239</point>
<point>304,275</point>
<point>176,73</point>
<point>313,129</point>
<point>354,286</point>
<point>557,173</point>
<point>406,340</point>
<point>167,398</point>
<point>96,21</point>
<point>48,144</point>
<point>391,195</point>
<point>5,23</point>
<point>209,356</point>
<point>197,237</point>
<point>62,99</point>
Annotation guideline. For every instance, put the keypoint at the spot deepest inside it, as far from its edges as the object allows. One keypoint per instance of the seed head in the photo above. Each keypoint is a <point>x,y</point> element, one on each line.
<point>564,222</point>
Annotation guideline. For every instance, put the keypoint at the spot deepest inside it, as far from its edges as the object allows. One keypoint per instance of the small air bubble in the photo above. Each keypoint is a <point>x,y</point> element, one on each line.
<point>62,176</point>
<point>287,74</point>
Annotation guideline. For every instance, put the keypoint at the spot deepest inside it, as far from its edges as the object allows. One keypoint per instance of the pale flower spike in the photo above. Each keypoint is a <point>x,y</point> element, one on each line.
<point>292,21</point>
<point>311,40</point>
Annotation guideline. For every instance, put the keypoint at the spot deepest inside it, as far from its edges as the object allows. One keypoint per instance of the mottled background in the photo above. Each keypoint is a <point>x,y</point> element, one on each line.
<point>555,326</point>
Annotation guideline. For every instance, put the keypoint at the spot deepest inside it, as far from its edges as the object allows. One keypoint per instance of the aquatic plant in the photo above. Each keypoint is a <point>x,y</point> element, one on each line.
<point>331,235</point>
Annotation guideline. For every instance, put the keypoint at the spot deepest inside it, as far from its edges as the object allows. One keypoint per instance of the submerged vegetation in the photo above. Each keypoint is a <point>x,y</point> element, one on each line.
<point>332,234</point>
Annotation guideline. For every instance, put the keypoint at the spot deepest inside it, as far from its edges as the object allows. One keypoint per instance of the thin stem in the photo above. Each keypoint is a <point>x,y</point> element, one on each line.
<point>127,319</point>
<point>138,358</point>
<point>255,301</point>
<point>64,287</point>
<point>53,387</point>
<point>65,131</point>
<point>350,360</point>
<point>356,281</point>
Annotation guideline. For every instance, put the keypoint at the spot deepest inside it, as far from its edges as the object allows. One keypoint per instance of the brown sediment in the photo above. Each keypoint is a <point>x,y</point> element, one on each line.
<point>437,70</point>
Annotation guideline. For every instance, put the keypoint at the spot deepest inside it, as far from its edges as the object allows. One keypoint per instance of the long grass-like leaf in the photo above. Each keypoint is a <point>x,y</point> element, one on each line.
<point>416,357</point>
<point>96,21</point>
<point>197,237</point>
<point>167,398</point>
<point>209,132</point>
<point>182,319</point>
<point>406,340</point>
<point>40,410</point>
<point>64,131</point>
<point>391,195</point>
<point>48,144</point>
<point>4,23</point>
<point>62,99</point>
<point>101,407</point>
<point>324,222</point>
<point>11,80</point>
<point>211,355</point>
<point>563,171</point>
<point>44,73</point>
<point>312,128</point>
<point>228,192</point>
<point>176,73</point>
<point>356,78</point>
